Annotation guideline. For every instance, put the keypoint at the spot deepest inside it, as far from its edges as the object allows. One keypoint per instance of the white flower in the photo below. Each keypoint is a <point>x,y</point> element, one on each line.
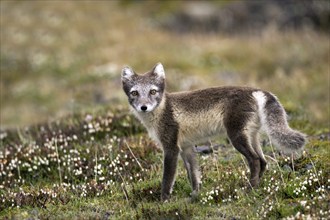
<point>88,118</point>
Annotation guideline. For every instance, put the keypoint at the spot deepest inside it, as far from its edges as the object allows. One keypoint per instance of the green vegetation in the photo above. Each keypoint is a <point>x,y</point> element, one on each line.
<point>70,149</point>
<point>102,165</point>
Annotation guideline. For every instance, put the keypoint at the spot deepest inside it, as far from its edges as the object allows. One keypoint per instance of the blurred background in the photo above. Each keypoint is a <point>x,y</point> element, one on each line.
<point>60,57</point>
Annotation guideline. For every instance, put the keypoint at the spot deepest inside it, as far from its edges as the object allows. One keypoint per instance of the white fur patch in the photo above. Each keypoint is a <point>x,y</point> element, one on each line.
<point>133,89</point>
<point>150,120</point>
<point>127,73</point>
<point>154,87</point>
<point>159,70</point>
<point>261,101</point>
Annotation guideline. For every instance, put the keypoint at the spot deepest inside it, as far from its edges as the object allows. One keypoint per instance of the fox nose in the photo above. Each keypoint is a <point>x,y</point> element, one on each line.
<point>144,108</point>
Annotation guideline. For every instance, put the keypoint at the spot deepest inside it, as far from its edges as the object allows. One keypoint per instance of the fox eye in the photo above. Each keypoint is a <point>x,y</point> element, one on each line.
<point>134,93</point>
<point>153,92</point>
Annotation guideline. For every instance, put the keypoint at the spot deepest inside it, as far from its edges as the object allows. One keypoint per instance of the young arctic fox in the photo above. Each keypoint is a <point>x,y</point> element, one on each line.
<point>179,121</point>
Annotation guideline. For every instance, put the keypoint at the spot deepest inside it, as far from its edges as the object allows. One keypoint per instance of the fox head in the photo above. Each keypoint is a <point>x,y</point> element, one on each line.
<point>145,92</point>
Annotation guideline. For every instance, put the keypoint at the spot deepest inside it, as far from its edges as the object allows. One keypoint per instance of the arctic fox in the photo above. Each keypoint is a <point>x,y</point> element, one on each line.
<point>179,121</point>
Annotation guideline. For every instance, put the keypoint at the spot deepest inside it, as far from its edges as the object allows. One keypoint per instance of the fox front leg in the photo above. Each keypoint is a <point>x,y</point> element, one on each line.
<point>170,165</point>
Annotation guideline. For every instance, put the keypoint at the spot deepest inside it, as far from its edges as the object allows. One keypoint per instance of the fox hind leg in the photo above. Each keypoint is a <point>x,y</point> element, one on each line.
<point>240,141</point>
<point>256,146</point>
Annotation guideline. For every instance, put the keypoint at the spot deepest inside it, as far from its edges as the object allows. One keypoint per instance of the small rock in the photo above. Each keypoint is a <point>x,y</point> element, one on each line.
<point>204,149</point>
<point>308,166</point>
<point>287,168</point>
<point>207,149</point>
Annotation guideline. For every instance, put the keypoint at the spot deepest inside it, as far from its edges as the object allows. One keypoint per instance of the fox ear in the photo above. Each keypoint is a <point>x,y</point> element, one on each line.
<point>127,73</point>
<point>159,71</point>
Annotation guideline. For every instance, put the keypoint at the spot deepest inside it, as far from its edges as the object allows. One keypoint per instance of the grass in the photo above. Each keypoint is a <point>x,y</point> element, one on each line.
<point>103,165</point>
<point>69,148</point>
